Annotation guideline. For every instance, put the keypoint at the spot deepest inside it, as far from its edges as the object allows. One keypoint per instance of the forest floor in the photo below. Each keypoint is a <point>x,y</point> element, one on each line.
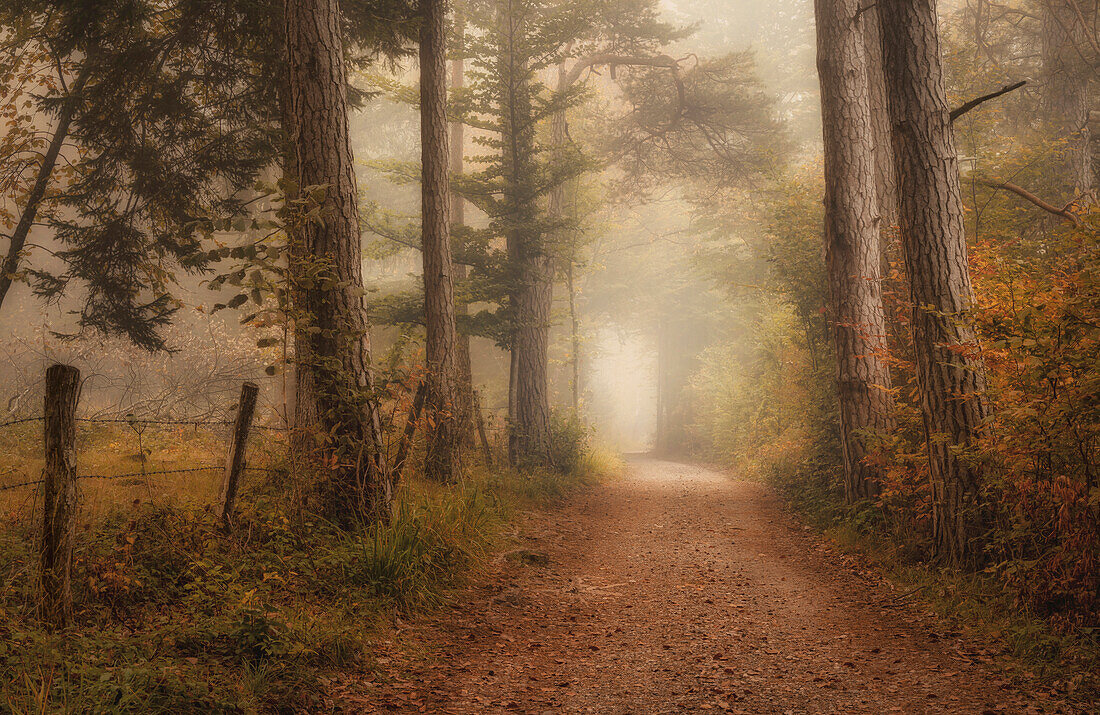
<point>680,589</point>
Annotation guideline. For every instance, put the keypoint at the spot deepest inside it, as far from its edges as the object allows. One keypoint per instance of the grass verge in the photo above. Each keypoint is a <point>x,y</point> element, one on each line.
<point>175,616</point>
<point>1030,648</point>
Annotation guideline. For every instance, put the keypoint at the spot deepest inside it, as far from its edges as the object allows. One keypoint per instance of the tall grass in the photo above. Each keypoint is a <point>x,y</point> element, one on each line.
<point>173,615</point>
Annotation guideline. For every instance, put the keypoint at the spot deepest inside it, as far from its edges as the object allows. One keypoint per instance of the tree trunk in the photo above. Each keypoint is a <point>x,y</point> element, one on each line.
<point>531,294</point>
<point>334,401</point>
<point>949,371</point>
<point>575,336</point>
<point>852,241</point>
<point>441,461</point>
<point>464,387</point>
<point>886,180</point>
<point>18,239</point>
<point>1065,98</point>
<point>559,135</point>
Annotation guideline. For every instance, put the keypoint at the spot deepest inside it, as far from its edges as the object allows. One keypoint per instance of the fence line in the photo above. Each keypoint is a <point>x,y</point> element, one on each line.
<point>20,421</point>
<point>153,473</point>
<point>143,421</point>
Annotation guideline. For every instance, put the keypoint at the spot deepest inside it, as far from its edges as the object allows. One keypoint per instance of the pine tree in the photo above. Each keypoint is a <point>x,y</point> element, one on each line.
<point>335,404</point>
<point>950,376</point>
<point>442,457</point>
<point>170,141</point>
<point>852,241</point>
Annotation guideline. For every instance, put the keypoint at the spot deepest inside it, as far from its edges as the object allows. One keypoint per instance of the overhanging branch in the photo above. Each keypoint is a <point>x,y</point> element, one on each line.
<point>972,104</point>
<point>1023,193</point>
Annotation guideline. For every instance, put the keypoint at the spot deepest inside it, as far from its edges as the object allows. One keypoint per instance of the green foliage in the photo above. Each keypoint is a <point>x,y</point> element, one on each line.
<point>164,153</point>
<point>569,441</point>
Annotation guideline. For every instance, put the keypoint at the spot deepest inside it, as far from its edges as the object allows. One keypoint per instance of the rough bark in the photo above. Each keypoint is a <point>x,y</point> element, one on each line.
<point>441,461</point>
<point>886,181</point>
<point>949,372</point>
<point>60,497</point>
<point>531,294</point>
<point>1065,97</point>
<point>334,401</point>
<point>852,241</point>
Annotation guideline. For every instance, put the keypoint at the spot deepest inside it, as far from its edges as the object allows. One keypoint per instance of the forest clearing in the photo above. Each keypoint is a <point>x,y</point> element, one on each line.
<point>327,326</point>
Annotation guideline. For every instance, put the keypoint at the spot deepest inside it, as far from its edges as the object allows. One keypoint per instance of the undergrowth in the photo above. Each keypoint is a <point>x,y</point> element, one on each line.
<point>980,605</point>
<point>175,616</point>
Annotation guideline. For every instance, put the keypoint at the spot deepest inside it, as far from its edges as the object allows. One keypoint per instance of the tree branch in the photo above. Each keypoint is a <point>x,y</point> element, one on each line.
<point>18,238</point>
<point>1032,198</point>
<point>956,113</point>
<point>863,9</point>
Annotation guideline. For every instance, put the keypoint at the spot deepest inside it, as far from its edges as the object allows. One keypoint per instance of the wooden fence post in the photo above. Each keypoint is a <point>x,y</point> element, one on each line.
<point>238,444</point>
<point>59,494</point>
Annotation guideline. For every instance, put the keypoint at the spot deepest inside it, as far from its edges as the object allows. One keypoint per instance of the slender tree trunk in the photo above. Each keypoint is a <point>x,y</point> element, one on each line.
<point>442,457</point>
<point>556,203</point>
<point>949,371</point>
<point>531,294</point>
<point>334,401</point>
<point>464,387</point>
<point>18,239</point>
<point>852,241</point>
<point>1065,97</point>
<point>575,337</point>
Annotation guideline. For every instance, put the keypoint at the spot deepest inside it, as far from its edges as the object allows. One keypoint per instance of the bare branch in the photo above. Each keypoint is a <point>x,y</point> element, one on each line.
<point>956,113</point>
<point>1023,193</point>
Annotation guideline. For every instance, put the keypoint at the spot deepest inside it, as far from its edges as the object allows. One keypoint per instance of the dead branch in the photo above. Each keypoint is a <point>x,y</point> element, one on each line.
<point>956,113</point>
<point>1023,193</point>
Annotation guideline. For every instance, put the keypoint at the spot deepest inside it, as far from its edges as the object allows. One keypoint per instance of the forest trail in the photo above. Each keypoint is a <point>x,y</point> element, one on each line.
<point>679,589</point>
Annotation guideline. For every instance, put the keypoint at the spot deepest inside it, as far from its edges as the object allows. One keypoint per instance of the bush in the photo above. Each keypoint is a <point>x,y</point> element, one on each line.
<point>569,442</point>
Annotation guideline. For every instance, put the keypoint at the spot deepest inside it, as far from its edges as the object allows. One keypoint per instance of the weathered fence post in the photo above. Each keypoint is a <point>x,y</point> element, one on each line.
<point>59,494</point>
<point>238,443</point>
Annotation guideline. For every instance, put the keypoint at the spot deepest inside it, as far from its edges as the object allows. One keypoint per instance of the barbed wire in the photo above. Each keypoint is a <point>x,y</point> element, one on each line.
<point>142,421</point>
<point>150,473</point>
<point>156,472</point>
<point>20,421</point>
<point>7,487</point>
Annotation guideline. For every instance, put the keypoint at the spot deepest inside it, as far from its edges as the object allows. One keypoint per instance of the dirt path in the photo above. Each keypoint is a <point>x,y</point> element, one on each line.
<point>678,589</point>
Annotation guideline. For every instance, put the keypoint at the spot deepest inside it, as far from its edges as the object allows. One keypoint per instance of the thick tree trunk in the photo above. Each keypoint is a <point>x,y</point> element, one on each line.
<point>531,294</point>
<point>852,240</point>
<point>529,435</point>
<point>442,457</point>
<point>886,180</point>
<point>949,371</point>
<point>334,402</point>
<point>1065,97</point>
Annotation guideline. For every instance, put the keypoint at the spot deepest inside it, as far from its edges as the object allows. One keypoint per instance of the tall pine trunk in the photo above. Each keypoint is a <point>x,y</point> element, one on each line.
<point>1065,96</point>
<point>334,402</point>
<point>532,269</point>
<point>949,371</point>
<point>464,387</point>
<point>441,459</point>
<point>852,242</point>
<point>886,180</point>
